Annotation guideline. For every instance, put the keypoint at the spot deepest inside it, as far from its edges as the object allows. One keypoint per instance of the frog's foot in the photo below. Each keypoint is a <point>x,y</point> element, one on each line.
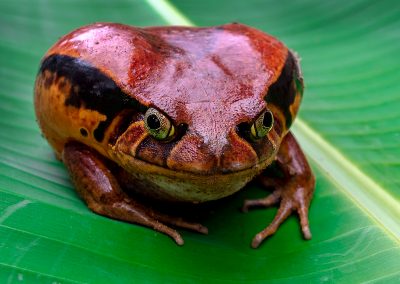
<point>129,210</point>
<point>293,191</point>
<point>292,197</point>
<point>101,191</point>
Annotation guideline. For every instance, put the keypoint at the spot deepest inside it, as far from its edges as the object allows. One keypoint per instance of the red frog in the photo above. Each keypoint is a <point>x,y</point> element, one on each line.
<point>178,114</point>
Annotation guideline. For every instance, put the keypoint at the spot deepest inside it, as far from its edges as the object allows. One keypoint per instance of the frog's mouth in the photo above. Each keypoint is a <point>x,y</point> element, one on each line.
<point>167,184</point>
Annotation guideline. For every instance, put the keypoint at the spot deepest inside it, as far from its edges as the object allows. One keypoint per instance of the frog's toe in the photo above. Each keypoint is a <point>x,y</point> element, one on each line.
<point>181,223</point>
<point>268,201</point>
<point>283,212</point>
<point>160,227</point>
<point>302,211</point>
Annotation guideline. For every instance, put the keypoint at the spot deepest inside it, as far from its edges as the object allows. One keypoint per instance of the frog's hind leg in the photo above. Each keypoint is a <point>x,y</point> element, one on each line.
<point>293,191</point>
<point>101,191</point>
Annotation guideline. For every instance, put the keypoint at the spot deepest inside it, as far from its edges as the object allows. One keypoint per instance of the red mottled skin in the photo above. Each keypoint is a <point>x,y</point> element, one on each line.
<point>212,80</point>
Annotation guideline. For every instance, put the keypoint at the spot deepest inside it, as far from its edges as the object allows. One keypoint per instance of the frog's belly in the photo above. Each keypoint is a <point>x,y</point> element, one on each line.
<point>189,189</point>
<point>162,183</point>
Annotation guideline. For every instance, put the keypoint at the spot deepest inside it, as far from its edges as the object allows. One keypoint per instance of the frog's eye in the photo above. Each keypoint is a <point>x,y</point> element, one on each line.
<point>262,125</point>
<point>158,125</point>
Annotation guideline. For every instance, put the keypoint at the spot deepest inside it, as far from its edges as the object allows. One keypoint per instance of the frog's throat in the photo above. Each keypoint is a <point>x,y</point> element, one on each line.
<point>167,184</point>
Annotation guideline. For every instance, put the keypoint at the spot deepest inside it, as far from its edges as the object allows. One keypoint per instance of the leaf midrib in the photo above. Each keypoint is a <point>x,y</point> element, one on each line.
<point>369,196</point>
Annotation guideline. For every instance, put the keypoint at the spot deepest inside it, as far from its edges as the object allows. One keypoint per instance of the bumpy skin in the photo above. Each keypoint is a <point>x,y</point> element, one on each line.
<point>96,83</point>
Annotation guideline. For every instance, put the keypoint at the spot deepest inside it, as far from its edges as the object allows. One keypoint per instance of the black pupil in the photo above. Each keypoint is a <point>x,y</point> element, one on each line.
<point>267,120</point>
<point>153,122</point>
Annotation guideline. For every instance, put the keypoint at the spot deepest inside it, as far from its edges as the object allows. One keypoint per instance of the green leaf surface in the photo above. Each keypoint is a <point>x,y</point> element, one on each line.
<point>349,127</point>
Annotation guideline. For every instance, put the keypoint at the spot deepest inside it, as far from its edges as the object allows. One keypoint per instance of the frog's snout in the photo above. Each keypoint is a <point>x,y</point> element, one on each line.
<point>228,155</point>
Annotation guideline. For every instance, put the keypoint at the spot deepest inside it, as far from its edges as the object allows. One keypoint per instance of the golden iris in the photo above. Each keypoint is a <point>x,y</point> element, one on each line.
<point>262,125</point>
<point>158,125</point>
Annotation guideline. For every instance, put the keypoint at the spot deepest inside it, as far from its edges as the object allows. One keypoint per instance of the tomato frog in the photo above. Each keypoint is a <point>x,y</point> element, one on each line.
<point>175,114</point>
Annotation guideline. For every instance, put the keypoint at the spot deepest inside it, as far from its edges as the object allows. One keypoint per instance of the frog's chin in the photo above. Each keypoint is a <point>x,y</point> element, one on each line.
<point>166,184</point>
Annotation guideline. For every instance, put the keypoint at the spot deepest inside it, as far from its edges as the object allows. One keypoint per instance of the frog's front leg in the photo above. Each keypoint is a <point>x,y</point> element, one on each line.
<point>101,191</point>
<point>294,191</point>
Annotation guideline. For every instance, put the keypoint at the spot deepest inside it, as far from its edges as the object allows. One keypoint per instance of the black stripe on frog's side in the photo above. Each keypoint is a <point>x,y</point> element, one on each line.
<point>283,92</point>
<point>91,89</point>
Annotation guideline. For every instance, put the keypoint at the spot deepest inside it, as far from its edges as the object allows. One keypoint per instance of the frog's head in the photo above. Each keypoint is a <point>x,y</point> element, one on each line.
<point>206,104</point>
<point>219,100</point>
<point>218,103</point>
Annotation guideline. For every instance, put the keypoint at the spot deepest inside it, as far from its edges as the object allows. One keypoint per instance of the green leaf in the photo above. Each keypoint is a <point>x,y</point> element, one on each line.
<point>349,126</point>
